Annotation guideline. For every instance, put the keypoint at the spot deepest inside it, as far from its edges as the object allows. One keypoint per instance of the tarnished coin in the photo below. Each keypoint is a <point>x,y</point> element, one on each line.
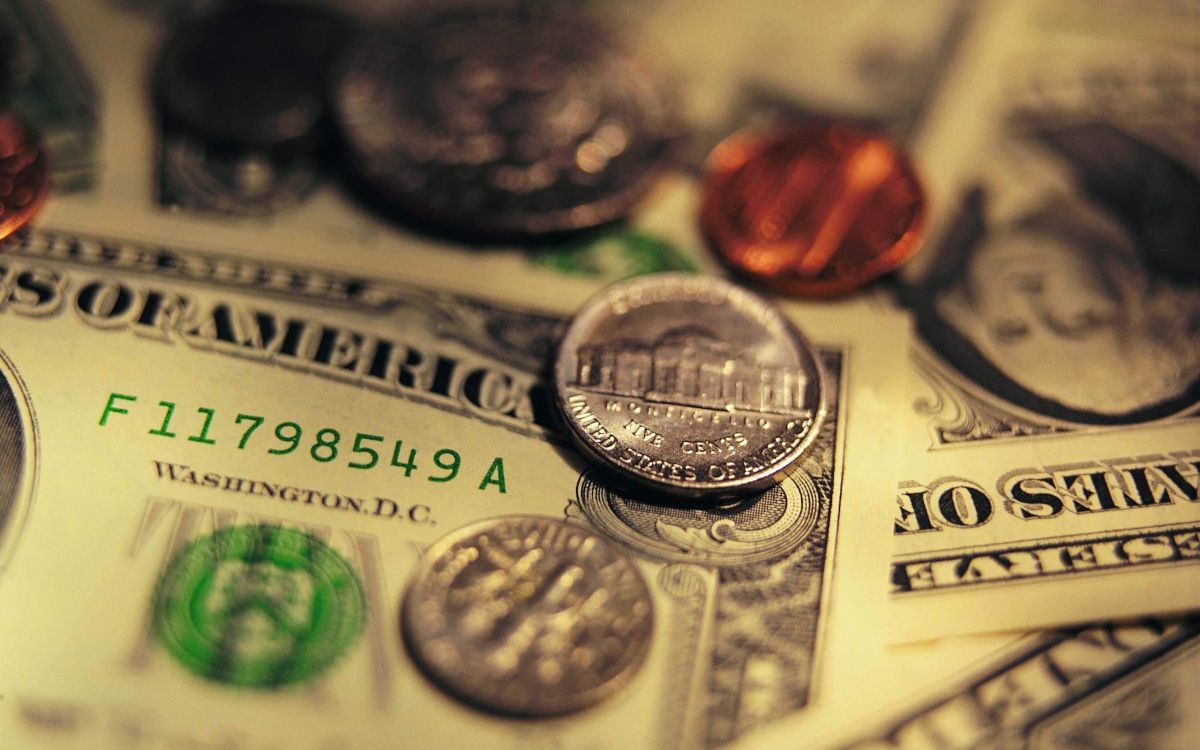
<point>251,73</point>
<point>527,616</point>
<point>813,210</point>
<point>689,385</point>
<point>500,122</point>
<point>24,175</point>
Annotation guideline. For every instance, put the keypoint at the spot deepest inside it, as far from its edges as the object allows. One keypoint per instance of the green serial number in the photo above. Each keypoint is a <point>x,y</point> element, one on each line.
<point>325,445</point>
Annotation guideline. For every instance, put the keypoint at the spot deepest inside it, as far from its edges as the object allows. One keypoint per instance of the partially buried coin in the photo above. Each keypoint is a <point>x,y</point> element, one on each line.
<point>504,122</point>
<point>24,177</point>
<point>527,616</point>
<point>251,73</point>
<point>812,210</point>
<point>688,385</point>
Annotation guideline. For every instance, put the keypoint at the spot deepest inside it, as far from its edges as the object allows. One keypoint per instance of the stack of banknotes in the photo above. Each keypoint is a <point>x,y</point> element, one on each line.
<point>255,414</point>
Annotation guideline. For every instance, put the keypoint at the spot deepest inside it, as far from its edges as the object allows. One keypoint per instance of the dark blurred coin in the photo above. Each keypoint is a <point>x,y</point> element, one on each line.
<point>24,178</point>
<point>504,122</point>
<point>527,615</point>
<point>8,53</point>
<point>198,176</point>
<point>251,73</point>
<point>812,210</point>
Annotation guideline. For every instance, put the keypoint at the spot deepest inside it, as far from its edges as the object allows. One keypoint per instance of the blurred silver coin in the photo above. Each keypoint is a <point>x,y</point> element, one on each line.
<point>504,122</point>
<point>689,385</point>
<point>251,73</point>
<point>527,616</point>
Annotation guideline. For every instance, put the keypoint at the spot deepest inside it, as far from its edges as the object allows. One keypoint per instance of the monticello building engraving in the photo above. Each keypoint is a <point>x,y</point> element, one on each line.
<point>691,368</point>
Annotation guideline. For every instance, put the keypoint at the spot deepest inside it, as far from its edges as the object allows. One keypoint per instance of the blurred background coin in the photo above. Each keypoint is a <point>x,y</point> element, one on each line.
<point>688,385</point>
<point>251,73</point>
<point>24,178</point>
<point>8,51</point>
<point>527,615</point>
<point>502,122</point>
<point>812,210</point>
<point>198,175</point>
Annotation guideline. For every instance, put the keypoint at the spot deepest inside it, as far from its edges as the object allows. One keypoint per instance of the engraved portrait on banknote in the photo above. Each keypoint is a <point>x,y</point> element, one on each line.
<point>18,457</point>
<point>1065,295</point>
<point>747,577</point>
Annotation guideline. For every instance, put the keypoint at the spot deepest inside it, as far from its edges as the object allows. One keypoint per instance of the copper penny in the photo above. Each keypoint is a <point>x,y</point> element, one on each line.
<point>24,178</point>
<point>812,210</point>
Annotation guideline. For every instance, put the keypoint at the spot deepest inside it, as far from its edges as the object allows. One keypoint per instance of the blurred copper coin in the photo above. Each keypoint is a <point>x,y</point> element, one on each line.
<point>24,177</point>
<point>501,122</point>
<point>812,210</point>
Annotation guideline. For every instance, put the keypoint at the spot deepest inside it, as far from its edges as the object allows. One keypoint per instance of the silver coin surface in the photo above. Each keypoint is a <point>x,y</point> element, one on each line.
<point>527,616</point>
<point>502,121</point>
<point>689,385</point>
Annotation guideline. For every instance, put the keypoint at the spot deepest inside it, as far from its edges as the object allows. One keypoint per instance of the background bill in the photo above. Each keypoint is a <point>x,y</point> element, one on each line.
<point>1051,323</point>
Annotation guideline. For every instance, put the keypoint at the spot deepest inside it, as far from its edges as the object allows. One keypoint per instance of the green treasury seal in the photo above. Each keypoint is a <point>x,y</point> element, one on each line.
<point>258,606</point>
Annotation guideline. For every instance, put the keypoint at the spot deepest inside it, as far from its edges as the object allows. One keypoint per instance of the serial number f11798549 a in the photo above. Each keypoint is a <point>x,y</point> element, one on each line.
<point>325,446</point>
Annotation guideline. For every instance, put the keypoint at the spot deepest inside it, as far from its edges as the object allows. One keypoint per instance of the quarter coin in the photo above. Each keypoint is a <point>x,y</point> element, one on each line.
<point>528,616</point>
<point>251,73</point>
<point>688,385</point>
<point>502,122</point>
<point>812,210</point>
<point>24,175</point>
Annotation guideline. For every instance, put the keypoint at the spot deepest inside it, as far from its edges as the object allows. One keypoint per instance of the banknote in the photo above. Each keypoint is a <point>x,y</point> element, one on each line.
<point>51,88</point>
<point>1097,686</point>
<point>162,401</point>
<point>1057,374</point>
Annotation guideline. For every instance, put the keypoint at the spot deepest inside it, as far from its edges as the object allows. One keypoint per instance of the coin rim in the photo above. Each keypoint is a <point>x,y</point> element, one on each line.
<point>568,702</point>
<point>710,490</point>
<point>719,166</point>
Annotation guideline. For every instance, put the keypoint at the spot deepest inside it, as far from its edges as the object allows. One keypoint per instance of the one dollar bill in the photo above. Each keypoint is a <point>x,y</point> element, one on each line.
<point>220,471</point>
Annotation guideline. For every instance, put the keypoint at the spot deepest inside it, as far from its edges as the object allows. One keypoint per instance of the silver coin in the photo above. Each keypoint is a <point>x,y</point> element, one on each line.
<point>689,385</point>
<point>527,616</point>
<point>502,121</point>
